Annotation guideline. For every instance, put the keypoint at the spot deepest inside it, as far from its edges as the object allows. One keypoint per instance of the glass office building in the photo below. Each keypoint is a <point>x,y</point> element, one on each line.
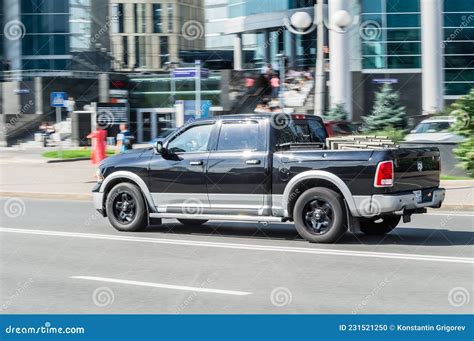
<point>388,43</point>
<point>46,41</point>
<point>262,19</point>
<point>392,40</point>
<point>50,34</point>
<point>239,8</point>
<point>458,46</point>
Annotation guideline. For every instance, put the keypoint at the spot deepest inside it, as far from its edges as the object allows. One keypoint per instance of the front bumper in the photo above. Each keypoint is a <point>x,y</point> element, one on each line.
<point>98,198</point>
<point>368,206</point>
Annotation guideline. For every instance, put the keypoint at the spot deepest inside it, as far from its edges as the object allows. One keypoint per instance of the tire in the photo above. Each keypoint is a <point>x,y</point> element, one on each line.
<point>379,225</point>
<point>320,216</point>
<point>192,221</point>
<point>126,208</point>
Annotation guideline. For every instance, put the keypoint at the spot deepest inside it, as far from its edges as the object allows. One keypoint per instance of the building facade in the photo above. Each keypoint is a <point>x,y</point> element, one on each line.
<point>148,34</point>
<point>424,47</point>
<point>52,35</point>
<point>216,14</point>
<point>262,20</point>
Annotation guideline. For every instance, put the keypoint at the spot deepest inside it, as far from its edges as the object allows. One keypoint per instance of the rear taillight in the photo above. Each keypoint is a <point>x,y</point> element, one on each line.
<point>384,174</point>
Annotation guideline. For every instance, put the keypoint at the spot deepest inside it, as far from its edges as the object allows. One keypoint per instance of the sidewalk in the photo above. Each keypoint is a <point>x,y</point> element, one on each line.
<point>38,179</point>
<point>27,174</point>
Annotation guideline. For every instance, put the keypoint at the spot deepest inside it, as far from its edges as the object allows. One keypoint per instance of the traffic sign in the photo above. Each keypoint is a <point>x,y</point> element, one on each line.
<point>189,72</point>
<point>58,99</point>
<point>385,81</point>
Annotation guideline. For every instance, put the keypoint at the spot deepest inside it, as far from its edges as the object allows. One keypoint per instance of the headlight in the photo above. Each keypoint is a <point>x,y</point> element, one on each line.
<point>99,175</point>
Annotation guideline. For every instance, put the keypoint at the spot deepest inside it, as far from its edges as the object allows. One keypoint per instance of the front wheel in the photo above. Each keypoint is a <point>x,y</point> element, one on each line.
<point>126,208</point>
<point>319,215</point>
<point>379,225</point>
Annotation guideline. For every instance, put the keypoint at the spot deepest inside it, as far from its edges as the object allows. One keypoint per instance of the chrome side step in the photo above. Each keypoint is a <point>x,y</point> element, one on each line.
<point>228,217</point>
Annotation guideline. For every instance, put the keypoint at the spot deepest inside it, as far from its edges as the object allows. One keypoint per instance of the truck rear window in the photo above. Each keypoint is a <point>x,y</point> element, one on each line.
<point>301,131</point>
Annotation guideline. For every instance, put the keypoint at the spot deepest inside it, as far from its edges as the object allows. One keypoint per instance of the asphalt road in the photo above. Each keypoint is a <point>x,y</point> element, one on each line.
<point>61,257</point>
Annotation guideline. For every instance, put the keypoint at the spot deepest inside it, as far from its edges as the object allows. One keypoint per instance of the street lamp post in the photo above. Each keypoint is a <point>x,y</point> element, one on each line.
<point>282,69</point>
<point>301,23</point>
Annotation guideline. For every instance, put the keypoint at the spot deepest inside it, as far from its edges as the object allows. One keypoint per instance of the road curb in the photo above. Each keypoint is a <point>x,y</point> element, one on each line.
<point>42,195</point>
<point>456,183</point>
<point>453,208</point>
<point>67,160</point>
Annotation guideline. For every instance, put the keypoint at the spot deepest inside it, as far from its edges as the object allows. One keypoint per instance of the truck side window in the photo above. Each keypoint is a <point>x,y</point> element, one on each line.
<point>301,131</point>
<point>195,139</point>
<point>238,136</point>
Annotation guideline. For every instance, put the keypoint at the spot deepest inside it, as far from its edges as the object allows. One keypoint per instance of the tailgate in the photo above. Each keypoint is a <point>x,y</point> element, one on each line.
<point>416,168</point>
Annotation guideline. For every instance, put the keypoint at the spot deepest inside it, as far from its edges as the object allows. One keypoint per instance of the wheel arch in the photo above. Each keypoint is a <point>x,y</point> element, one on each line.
<point>124,176</point>
<point>310,179</point>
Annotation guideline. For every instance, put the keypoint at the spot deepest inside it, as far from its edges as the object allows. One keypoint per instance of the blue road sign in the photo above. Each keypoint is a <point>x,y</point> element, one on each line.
<point>385,81</point>
<point>58,98</point>
<point>189,72</point>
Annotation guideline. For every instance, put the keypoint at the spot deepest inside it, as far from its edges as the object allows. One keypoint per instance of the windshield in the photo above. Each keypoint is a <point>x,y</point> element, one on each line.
<point>432,127</point>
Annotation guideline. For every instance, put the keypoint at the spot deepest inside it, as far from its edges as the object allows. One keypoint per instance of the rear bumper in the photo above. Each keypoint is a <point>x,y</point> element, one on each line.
<point>368,206</point>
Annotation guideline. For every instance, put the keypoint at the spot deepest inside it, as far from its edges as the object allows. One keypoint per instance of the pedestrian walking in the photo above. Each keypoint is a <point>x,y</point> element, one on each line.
<point>124,140</point>
<point>275,83</point>
<point>47,130</point>
<point>249,84</point>
<point>98,148</point>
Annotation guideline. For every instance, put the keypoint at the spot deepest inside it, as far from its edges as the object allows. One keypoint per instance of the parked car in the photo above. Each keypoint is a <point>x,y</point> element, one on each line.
<point>341,128</point>
<point>434,129</point>
<point>270,168</point>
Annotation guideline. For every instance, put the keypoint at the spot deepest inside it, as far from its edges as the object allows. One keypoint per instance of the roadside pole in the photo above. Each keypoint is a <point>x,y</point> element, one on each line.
<point>58,121</point>
<point>197,78</point>
<point>282,80</point>
<point>173,88</point>
<point>58,114</point>
<point>58,100</point>
<point>320,75</point>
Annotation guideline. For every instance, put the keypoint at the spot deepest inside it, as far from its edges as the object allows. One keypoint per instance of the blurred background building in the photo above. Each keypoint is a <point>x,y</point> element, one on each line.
<point>124,51</point>
<point>55,35</point>
<point>148,34</point>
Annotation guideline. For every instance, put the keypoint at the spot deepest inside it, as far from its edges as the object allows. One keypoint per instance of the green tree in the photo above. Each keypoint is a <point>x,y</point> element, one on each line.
<point>336,113</point>
<point>387,112</point>
<point>463,111</point>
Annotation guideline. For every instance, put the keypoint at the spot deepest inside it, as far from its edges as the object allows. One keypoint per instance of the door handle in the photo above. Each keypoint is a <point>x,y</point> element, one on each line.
<point>196,163</point>
<point>252,162</point>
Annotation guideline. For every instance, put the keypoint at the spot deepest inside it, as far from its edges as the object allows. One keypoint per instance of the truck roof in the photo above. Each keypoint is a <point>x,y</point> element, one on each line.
<point>269,115</point>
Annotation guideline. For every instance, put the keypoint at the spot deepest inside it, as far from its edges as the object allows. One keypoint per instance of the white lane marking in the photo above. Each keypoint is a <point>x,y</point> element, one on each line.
<point>162,286</point>
<point>333,252</point>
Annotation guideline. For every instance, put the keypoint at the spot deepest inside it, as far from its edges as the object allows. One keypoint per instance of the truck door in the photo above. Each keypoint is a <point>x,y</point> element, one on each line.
<point>177,179</point>
<point>237,169</point>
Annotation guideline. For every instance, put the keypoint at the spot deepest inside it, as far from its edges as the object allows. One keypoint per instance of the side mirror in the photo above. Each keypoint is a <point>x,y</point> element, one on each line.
<point>159,148</point>
<point>413,131</point>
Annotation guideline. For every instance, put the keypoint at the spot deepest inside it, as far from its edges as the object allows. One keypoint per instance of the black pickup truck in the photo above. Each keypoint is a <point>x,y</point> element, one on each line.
<point>267,168</point>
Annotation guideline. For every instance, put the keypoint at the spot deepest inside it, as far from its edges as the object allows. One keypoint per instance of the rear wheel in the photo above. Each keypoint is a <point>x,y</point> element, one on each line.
<point>379,225</point>
<point>319,215</point>
<point>126,208</point>
<point>192,221</point>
